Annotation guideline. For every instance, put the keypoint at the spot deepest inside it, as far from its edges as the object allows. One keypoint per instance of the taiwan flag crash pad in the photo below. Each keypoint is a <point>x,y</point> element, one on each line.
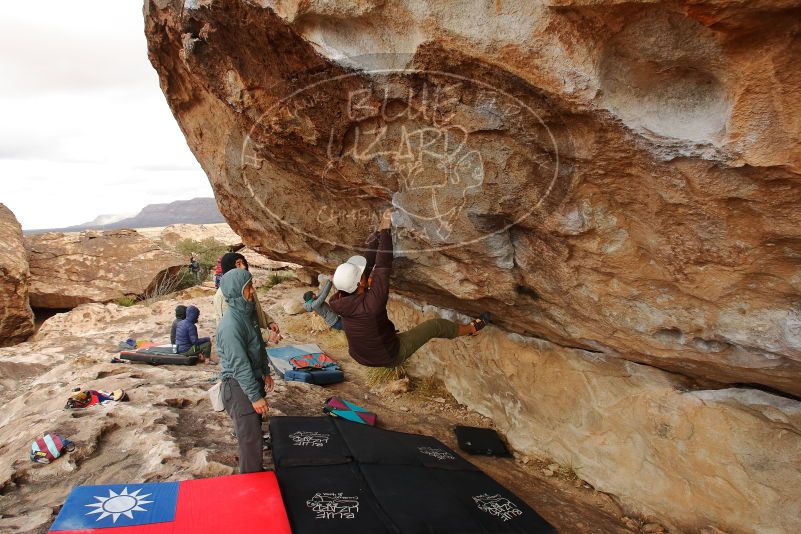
<point>236,503</point>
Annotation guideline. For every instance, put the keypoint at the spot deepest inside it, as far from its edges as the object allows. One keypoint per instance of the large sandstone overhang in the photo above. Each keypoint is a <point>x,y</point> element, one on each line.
<point>622,178</point>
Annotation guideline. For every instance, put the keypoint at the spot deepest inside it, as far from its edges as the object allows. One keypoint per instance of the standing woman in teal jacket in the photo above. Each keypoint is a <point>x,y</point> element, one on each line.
<point>245,370</point>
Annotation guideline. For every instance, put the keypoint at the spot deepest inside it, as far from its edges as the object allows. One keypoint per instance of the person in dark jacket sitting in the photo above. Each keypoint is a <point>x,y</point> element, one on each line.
<point>363,284</point>
<point>187,339</point>
<point>180,315</point>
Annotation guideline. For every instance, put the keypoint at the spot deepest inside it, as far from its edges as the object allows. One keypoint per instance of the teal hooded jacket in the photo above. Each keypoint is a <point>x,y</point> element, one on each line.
<point>239,343</point>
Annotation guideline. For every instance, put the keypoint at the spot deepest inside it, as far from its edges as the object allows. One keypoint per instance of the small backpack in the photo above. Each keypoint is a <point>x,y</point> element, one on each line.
<point>49,447</point>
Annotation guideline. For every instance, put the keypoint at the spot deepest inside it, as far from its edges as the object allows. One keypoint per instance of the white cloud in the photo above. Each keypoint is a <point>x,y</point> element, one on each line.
<point>85,128</point>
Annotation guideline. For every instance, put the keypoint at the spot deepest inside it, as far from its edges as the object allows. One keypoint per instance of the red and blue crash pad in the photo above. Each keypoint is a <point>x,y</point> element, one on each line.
<point>236,503</point>
<point>304,363</point>
<point>312,361</point>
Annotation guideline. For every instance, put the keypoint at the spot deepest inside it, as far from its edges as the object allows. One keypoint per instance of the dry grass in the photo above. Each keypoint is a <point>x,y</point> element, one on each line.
<point>429,386</point>
<point>377,376</point>
<point>166,284</point>
<point>309,327</point>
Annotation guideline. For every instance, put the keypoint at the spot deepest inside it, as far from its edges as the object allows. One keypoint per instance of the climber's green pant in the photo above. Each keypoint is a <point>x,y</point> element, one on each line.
<point>413,339</point>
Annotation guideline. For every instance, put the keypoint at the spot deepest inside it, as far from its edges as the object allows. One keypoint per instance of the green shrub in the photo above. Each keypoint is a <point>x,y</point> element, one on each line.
<point>126,301</point>
<point>275,278</point>
<point>207,251</point>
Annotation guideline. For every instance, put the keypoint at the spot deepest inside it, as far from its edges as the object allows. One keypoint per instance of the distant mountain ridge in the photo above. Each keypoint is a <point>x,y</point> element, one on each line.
<point>199,210</point>
<point>109,218</point>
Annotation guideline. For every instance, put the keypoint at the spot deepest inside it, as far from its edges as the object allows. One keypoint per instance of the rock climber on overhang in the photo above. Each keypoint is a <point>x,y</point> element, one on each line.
<point>361,300</point>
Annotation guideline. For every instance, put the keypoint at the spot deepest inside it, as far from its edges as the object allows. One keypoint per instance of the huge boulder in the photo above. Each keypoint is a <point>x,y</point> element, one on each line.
<point>16,317</point>
<point>69,269</point>
<point>620,177</point>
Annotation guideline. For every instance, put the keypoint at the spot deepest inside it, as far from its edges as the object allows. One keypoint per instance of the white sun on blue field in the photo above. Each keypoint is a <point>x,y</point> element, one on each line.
<point>117,504</point>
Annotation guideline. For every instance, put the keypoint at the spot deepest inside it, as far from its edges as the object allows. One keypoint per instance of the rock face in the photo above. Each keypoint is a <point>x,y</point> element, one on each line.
<point>16,317</point>
<point>173,234</point>
<point>618,178</point>
<point>260,262</point>
<point>72,269</point>
<point>693,458</point>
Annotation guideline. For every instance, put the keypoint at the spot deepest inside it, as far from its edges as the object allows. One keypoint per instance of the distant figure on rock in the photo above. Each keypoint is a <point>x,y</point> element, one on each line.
<point>218,272</point>
<point>363,284</point>
<point>180,315</point>
<point>234,260</point>
<point>318,305</point>
<point>194,268</point>
<point>186,336</point>
<point>245,369</point>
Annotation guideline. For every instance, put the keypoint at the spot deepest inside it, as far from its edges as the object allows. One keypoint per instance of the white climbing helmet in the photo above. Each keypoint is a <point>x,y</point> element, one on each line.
<point>347,275</point>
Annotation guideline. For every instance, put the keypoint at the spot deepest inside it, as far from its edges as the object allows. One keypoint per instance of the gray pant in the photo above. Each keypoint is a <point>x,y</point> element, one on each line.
<point>247,424</point>
<point>414,338</point>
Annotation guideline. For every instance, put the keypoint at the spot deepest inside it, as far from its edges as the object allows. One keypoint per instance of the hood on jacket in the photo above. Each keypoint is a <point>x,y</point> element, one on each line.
<point>192,314</point>
<point>228,261</point>
<point>180,312</point>
<point>347,304</point>
<point>232,284</point>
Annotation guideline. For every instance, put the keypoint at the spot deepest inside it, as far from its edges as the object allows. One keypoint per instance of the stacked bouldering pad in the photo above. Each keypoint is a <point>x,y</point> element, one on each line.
<point>340,477</point>
<point>304,363</point>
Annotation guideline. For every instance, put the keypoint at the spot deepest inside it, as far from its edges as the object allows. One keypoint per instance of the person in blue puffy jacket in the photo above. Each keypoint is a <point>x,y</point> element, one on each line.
<point>186,337</point>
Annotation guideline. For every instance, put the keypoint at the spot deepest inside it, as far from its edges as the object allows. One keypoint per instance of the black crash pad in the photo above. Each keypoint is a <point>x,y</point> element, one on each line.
<point>158,356</point>
<point>397,448</point>
<point>380,481</point>
<point>328,499</point>
<point>307,441</point>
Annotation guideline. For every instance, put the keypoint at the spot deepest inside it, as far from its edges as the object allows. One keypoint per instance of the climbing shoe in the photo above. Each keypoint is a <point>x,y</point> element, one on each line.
<point>483,320</point>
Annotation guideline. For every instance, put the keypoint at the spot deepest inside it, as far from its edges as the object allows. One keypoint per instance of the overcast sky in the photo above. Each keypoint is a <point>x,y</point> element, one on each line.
<point>84,127</point>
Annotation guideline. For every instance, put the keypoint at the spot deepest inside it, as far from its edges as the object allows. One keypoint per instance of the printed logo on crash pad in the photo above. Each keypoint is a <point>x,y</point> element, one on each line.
<point>498,506</point>
<point>117,505</point>
<point>309,439</point>
<point>333,506</point>
<point>439,454</point>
